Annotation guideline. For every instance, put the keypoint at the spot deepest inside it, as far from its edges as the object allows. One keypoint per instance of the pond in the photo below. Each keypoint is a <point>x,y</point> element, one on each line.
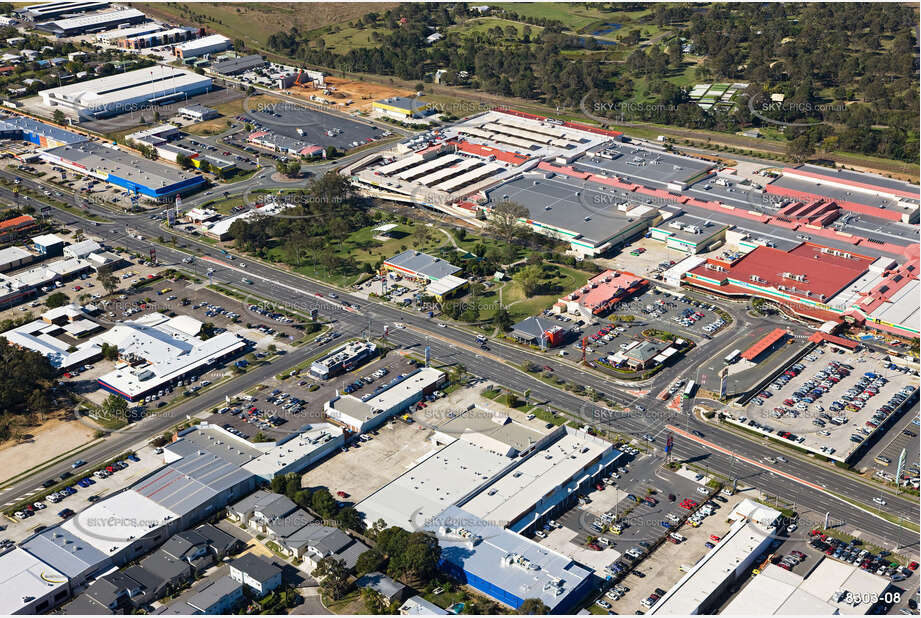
<point>606,29</point>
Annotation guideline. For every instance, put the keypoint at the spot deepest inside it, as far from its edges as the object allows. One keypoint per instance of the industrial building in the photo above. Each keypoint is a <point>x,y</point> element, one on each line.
<point>157,37</point>
<point>32,586</point>
<point>60,336</point>
<point>159,138</point>
<point>344,358</point>
<point>36,132</point>
<point>402,108</point>
<point>122,92</point>
<point>276,142</point>
<point>140,176</point>
<point>374,409</point>
<point>491,483</point>
<point>829,589</point>
<point>50,10</point>
<point>94,22</point>
<point>156,351</point>
<point>197,112</point>
<point>235,66</point>
<point>702,588</point>
<point>211,44</point>
<point>507,566</point>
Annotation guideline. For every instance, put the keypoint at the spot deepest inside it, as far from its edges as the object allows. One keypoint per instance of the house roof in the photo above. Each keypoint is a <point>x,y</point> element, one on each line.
<point>375,580</point>
<point>256,567</point>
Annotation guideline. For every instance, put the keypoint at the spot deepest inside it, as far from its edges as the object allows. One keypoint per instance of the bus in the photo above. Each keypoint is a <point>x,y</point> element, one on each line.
<point>732,357</point>
<point>689,389</point>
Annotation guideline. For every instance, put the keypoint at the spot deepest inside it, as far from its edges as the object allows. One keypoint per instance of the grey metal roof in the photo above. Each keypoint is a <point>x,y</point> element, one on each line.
<point>534,327</point>
<point>216,442</point>
<point>870,179</point>
<point>217,539</point>
<point>186,484</point>
<point>213,593</point>
<point>486,560</point>
<point>85,605</point>
<point>66,552</point>
<point>138,170</point>
<point>281,506</point>
<point>256,567</point>
<point>30,125</point>
<point>388,587</point>
<point>351,553</point>
<point>553,202</point>
<point>645,350</point>
<point>166,568</point>
<point>416,261</point>
<point>238,65</point>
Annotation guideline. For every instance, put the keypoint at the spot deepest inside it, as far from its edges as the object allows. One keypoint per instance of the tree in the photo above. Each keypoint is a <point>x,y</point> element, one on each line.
<point>115,407</point>
<point>533,607</point>
<point>504,220</point>
<point>416,562</point>
<point>800,148</point>
<point>332,576</point>
<point>531,279</point>
<point>323,503</point>
<point>374,601</point>
<point>349,519</point>
<point>370,561</point>
<point>109,352</point>
<point>108,281</point>
<point>57,299</point>
<point>502,319</point>
<point>59,116</point>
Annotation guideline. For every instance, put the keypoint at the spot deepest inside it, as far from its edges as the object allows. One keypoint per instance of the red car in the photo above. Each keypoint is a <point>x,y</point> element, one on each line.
<point>784,566</point>
<point>913,565</point>
<point>594,546</point>
<point>714,538</point>
<point>599,487</point>
<point>342,494</point>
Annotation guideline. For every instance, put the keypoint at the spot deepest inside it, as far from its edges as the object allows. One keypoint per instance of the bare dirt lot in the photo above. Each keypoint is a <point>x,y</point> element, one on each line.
<point>361,93</point>
<point>48,440</point>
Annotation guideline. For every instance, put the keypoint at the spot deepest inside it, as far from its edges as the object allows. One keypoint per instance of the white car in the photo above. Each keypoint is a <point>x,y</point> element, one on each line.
<point>442,325</point>
<point>540,534</point>
<point>879,501</point>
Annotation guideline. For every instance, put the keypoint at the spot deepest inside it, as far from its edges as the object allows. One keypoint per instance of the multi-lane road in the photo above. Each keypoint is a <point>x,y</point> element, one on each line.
<point>635,414</point>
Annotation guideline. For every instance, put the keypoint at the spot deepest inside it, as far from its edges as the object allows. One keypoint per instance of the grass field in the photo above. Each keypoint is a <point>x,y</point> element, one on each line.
<point>228,111</point>
<point>347,38</point>
<point>573,16</point>
<point>482,24</point>
<point>254,22</point>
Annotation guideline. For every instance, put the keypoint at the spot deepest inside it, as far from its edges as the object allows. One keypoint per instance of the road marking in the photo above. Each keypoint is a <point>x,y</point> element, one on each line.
<point>777,472</point>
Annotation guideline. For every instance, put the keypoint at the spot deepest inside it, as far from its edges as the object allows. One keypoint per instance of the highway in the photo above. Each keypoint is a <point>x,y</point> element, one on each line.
<point>455,345</point>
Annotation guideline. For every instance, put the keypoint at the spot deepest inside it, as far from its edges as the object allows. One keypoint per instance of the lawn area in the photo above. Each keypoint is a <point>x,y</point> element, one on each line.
<point>559,280</point>
<point>347,38</point>
<point>361,248</point>
<point>482,24</point>
<point>573,16</point>
<point>254,22</point>
<point>228,110</point>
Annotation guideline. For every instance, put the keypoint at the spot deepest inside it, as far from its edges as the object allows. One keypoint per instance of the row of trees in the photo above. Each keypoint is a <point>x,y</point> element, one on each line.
<point>319,500</point>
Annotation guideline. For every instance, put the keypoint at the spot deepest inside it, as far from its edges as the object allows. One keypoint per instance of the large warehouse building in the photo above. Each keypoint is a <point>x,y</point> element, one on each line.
<point>94,22</point>
<point>123,92</point>
<point>141,177</point>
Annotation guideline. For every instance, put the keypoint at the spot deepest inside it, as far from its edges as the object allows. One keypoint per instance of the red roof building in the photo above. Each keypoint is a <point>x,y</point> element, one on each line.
<point>766,342</point>
<point>602,292</point>
<point>803,279</point>
<point>12,228</point>
<point>486,152</point>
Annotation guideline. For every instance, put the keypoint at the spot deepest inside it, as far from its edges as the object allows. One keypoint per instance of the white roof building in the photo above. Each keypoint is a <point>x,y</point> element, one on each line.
<point>167,350</point>
<point>30,585</point>
<point>832,587</point>
<point>745,541</point>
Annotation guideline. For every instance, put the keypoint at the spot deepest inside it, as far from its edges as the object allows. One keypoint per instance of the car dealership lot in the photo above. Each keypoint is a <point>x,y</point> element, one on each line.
<point>827,420</point>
